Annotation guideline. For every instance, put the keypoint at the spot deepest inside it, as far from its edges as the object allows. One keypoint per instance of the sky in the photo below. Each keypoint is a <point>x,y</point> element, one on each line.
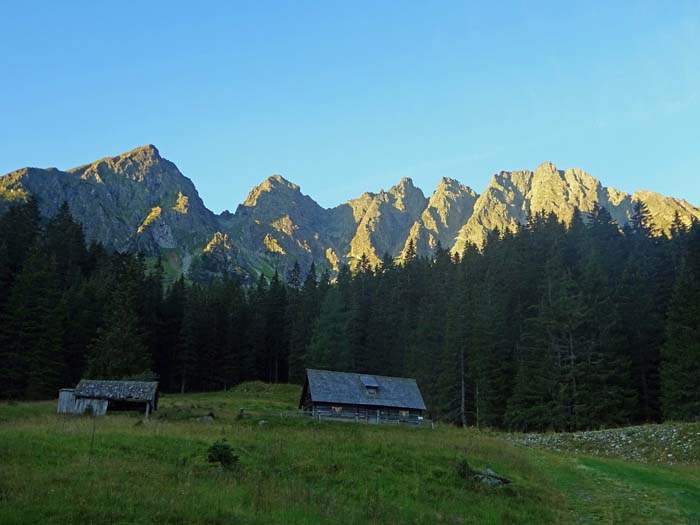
<point>343,97</point>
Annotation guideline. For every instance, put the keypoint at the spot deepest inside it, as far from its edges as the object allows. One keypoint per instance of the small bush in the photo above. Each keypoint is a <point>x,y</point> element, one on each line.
<point>222,453</point>
<point>463,469</point>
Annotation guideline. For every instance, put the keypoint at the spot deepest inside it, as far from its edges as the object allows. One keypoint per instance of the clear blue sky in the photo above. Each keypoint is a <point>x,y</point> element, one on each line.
<point>349,96</point>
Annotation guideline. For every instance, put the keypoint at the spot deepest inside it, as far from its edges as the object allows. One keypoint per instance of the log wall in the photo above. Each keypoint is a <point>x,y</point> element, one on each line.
<point>366,414</point>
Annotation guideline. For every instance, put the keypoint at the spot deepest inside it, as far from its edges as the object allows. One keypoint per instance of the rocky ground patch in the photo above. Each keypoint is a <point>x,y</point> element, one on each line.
<point>667,443</point>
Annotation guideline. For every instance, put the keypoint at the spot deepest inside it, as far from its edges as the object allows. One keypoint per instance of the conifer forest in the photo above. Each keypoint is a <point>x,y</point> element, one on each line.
<point>553,326</point>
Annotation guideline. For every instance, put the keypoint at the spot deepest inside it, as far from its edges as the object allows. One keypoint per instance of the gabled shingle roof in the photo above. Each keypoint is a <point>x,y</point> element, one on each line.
<point>352,389</point>
<point>117,390</point>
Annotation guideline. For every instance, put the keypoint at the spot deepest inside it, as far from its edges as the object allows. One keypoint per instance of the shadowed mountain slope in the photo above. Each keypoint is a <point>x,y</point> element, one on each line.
<point>139,201</point>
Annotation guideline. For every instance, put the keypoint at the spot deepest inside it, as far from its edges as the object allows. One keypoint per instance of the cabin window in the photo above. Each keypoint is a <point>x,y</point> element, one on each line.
<point>337,410</point>
<point>403,413</point>
<point>371,385</point>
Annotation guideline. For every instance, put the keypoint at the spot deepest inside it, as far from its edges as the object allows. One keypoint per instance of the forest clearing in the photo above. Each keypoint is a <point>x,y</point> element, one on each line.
<point>124,469</point>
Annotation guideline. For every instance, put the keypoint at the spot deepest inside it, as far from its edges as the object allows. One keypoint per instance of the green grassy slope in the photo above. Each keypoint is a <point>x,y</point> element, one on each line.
<point>294,470</point>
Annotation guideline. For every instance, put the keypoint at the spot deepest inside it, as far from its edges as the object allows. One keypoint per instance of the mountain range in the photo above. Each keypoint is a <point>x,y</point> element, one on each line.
<point>140,202</point>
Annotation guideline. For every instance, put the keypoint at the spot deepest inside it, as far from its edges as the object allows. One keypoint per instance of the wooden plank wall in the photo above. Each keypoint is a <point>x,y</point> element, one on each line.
<point>66,401</point>
<point>366,414</point>
<point>98,406</point>
<point>69,404</point>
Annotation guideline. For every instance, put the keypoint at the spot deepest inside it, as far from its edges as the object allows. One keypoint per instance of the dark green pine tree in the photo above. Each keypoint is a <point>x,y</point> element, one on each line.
<point>358,304</point>
<point>533,405</point>
<point>680,353</point>
<point>119,349</point>
<point>536,402</point>
<point>487,364</point>
<point>640,329</point>
<point>257,327</point>
<point>31,360</point>
<point>383,317</point>
<point>276,335</point>
<point>19,228</point>
<point>188,345</point>
<point>5,275</point>
<point>329,348</point>
<point>453,385</point>
<point>677,243</point>
<point>211,368</point>
<point>606,392</point>
<point>294,276</point>
<point>428,340</point>
<point>239,364</point>
<point>150,299</point>
<point>65,245</point>
<point>551,348</point>
<point>83,314</point>
<point>171,316</point>
<point>292,320</point>
<point>46,363</point>
<point>642,222</point>
<point>303,309</point>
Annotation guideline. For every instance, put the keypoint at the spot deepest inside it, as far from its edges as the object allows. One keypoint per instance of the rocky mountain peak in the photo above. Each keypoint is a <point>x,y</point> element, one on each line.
<point>407,196</point>
<point>139,165</point>
<point>546,168</point>
<point>450,187</point>
<point>135,201</point>
<point>446,184</point>
<point>274,184</point>
<point>145,151</point>
<point>447,210</point>
<point>139,201</point>
<point>405,182</point>
<point>274,181</point>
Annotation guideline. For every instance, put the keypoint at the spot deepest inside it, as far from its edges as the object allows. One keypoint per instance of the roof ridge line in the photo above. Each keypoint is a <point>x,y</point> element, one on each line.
<point>360,374</point>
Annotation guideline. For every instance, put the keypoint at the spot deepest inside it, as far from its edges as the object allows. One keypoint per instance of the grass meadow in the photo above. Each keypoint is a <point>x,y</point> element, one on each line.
<point>122,469</point>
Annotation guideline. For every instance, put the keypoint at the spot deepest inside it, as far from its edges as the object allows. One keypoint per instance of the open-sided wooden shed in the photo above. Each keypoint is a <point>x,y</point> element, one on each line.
<point>362,397</point>
<point>97,396</point>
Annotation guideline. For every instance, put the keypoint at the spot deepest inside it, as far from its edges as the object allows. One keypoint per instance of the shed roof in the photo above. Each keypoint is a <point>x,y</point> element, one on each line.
<point>326,386</point>
<point>117,390</point>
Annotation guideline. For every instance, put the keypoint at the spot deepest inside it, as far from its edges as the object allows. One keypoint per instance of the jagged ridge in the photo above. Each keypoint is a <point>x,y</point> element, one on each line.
<point>139,201</point>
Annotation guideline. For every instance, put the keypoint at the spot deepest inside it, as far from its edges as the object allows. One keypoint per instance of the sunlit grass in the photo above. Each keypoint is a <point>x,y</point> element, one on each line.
<point>296,470</point>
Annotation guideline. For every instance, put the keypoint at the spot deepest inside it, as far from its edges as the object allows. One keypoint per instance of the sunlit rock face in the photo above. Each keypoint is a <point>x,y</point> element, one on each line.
<point>278,225</point>
<point>139,201</point>
<point>449,208</point>
<point>387,221</point>
<point>133,201</point>
<point>511,196</point>
<point>281,225</point>
<point>663,209</point>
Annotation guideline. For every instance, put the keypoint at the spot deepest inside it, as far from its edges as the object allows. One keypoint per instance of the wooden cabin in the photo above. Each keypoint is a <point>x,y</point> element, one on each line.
<point>362,397</point>
<point>96,397</point>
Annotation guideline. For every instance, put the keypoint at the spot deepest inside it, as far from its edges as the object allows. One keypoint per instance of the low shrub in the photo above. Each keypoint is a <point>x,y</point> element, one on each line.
<point>222,453</point>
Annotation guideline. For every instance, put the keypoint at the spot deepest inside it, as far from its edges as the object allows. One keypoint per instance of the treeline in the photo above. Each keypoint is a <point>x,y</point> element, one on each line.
<point>548,327</point>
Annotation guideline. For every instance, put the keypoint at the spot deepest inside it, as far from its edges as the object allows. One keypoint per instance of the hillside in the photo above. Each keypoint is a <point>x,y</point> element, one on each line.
<point>140,202</point>
<point>134,202</point>
<point>295,470</point>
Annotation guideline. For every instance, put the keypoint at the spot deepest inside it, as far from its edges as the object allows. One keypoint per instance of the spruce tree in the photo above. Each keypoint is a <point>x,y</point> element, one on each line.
<point>680,353</point>
<point>303,310</point>
<point>119,349</point>
<point>31,360</point>
<point>329,347</point>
